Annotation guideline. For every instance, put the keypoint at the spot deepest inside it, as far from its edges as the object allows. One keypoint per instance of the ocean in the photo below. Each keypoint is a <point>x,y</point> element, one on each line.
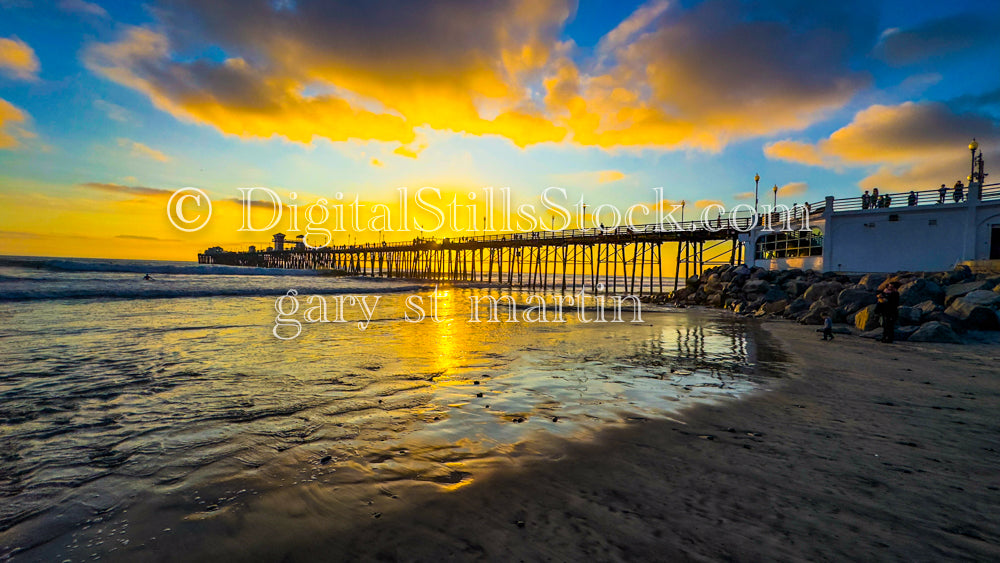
<point>153,418</point>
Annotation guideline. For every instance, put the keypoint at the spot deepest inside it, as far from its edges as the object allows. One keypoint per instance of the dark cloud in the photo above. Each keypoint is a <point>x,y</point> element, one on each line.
<point>939,37</point>
<point>133,190</point>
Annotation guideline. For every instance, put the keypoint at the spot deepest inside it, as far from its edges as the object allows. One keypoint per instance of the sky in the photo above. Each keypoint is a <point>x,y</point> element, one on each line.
<point>106,108</point>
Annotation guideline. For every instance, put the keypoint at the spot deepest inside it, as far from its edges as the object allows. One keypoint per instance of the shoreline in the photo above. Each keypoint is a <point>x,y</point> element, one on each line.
<point>894,454</point>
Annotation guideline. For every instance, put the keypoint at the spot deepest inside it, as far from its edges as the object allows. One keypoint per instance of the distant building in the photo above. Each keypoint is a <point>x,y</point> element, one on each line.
<point>279,242</point>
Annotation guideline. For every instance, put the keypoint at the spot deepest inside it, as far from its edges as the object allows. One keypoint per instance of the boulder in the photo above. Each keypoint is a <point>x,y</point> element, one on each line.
<point>815,316</point>
<point>918,291</point>
<point>795,307</point>
<point>823,289</point>
<point>905,332</point>
<point>772,308</point>
<point>796,287</point>
<point>909,316</point>
<point>926,308</point>
<point>866,319</point>
<point>972,315</point>
<point>943,318</point>
<point>960,289</point>
<point>852,300</point>
<point>774,294</point>
<point>872,281</point>
<point>874,333</point>
<point>756,286</point>
<point>935,332</point>
<point>960,273</point>
<point>982,297</point>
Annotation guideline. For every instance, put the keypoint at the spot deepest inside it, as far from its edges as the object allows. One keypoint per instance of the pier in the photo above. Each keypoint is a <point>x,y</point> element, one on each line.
<point>626,259</point>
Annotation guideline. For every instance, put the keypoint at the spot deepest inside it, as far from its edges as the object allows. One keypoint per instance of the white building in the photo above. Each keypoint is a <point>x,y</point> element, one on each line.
<point>841,236</point>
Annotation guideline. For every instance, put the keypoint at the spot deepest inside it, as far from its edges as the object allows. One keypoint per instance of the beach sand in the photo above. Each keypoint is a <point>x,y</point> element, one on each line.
<point>866,452</point>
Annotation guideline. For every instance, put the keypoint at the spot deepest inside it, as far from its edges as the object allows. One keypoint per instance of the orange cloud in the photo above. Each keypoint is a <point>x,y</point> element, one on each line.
<point>139,149</point>
<point>910,145</point>
<point>18,59</point>
<point>344,71</point>
<point>795,151</point>
<point>793,188</point>
<point>10,130</point>
<point>377,163</point>
<point>606,176</point>
<point>403,150</point>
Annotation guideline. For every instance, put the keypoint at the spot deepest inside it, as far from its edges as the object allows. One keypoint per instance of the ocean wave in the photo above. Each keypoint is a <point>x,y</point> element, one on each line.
<point>150,291</point>
<point>144,267</point>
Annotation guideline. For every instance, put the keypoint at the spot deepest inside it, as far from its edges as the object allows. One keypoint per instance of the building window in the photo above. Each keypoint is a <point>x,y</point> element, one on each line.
<point>790,244</point>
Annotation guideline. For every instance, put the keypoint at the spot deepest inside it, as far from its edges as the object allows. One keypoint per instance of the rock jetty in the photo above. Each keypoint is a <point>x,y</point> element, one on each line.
<point>934,306</point>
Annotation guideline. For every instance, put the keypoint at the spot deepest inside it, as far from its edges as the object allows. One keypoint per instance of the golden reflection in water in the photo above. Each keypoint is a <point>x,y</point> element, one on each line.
<point>447,358</point>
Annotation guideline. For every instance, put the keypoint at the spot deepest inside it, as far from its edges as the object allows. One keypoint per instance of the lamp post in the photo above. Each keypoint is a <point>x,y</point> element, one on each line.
<point>683,203</point>
<point>584,216</point>
<point>756,184</point>
<point>972,170</point>
<point>775,205</point>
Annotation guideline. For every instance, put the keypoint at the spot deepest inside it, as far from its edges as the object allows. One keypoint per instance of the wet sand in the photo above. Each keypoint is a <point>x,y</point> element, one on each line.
<point>866,452</point>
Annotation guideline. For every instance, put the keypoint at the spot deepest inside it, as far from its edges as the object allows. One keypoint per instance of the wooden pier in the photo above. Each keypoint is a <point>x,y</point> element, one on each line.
<point>626,260</point>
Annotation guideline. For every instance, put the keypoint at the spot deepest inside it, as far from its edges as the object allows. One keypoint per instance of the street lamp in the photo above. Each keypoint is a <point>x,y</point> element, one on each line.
<point>972,147</point>
<point>683,203</point>
<point>584,216</point>
<point>756,184</point>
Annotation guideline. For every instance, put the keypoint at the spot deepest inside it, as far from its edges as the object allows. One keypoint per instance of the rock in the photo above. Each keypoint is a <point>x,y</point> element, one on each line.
<point>982,297</point>
<point>935,332</point>
<point>918,291</point>
<point>774,294</point>
<point>823,289</point>
<point>952,322</point>
<point>796,288</point>
<point>815,316</point>
<point>904,332</point>
<point>909,316</point>
<point>715,300</point>
<point>972,315</point>
<point>773,308</point>
<point>960,273</point>
<point>795,307</point>
<point>874,333</point>
<point>866,319</point>
<point>960,289</point>
<point>756,286</point>
<point>926,308</point>
<point>852,300</point>
<point>872,281</point>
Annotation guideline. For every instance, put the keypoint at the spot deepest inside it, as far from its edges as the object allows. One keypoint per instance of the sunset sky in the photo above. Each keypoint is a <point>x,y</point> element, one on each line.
<point>106,107</point>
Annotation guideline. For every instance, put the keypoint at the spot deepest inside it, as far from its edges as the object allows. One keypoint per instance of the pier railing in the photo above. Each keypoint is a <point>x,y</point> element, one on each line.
<point>989,192</point>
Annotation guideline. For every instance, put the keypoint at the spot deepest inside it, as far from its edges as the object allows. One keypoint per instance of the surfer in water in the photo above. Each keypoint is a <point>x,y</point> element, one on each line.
<point>147,277</point>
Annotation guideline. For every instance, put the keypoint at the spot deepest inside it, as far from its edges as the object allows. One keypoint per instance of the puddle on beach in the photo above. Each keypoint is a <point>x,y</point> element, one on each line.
<point>141,427</point>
